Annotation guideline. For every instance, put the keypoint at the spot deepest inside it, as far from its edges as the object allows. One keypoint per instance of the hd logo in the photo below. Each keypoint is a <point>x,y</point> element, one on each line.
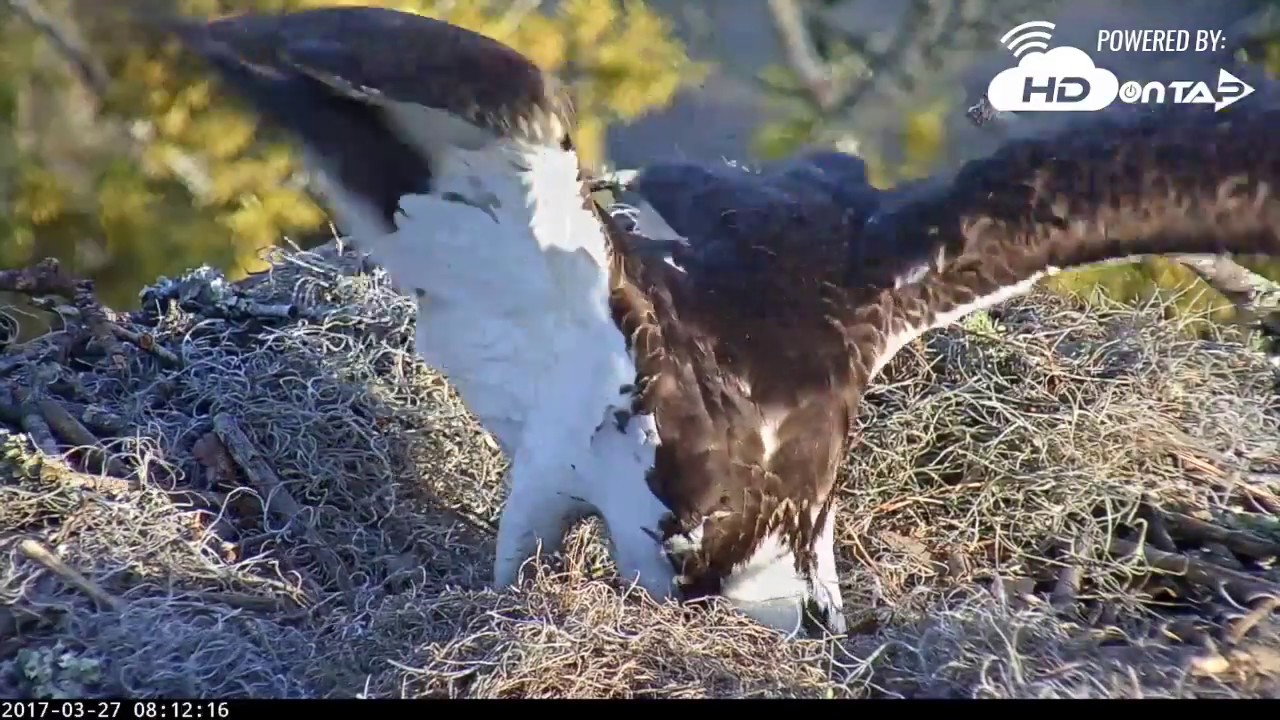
<point>1066,79</point>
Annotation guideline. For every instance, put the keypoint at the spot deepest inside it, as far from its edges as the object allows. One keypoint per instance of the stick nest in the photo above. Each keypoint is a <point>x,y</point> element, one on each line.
<point>258,490</point>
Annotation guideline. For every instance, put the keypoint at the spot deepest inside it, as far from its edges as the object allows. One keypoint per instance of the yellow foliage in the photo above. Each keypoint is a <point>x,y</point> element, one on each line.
<point>206,185</point>
<point>40,197</point>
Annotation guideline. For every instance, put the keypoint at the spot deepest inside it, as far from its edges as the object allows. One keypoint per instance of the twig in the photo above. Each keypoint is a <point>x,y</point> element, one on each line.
<point>43,278</point>
<point>18,402</point>
<point>1206,469</point>
<point>803,57</point>
<point>39,553</point>
<point>147,343</point>
<point>93,316</point>
<point>244,601</point>
<point>137,134</point>
<point>278,311</point>
<point>92,417</point>
<point>1198,571</point>
<point>46,278</point>
<point>1067,588</point>
<point>1238,541</point>
<point>69,428</point>
<point>278,500</point>
<point>1241,627</point>
<point>1157,531</point>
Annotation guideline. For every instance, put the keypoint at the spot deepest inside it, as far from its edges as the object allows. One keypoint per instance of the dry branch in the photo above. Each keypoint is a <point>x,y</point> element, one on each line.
<point>87,67</point>
<point>1238,541</point>
<point>279,502</point>
<point>73,432</point>
<point>1197,571</point>
<point>1241,627</point>
<point>43,278</point>
<point>37,552</point>
<point>147,343</point>
<point>29,418</point>
<point>806,63</point>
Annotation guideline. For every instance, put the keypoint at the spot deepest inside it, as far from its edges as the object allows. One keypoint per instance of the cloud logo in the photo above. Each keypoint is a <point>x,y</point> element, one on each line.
<point>1048,81</point>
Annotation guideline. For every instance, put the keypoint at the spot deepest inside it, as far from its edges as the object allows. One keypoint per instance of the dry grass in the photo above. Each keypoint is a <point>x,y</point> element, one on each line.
<point>986,511</point>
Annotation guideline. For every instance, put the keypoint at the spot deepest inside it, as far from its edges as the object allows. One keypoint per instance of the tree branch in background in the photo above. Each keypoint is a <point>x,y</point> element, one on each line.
<point>90,71</point>
<point>86,66</point>
<point>929,34</point>
<point>1253,295</point>
<point>802,56</point>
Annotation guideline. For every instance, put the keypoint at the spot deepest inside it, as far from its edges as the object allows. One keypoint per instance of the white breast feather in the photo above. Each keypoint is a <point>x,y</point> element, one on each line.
<point>513,310</point>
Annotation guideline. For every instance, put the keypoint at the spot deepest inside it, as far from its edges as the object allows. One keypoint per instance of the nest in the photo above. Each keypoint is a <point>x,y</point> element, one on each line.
<point>258,490</point>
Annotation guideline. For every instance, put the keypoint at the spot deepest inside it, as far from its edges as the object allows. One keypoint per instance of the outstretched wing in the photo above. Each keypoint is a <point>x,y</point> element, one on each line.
<point>376,95</point>
<point>736,225</point>
<point>1183,180</point>
<point>726,314</point>
<point>446,155</point>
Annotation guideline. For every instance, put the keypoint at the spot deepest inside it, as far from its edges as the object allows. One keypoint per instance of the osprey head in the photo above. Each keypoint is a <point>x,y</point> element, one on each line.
<point>786,581</point>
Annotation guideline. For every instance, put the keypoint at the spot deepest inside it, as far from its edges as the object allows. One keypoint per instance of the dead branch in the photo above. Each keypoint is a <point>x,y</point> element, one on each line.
<point>1241,627</point>
<point>95,318</point>
<point>17,402</point>
<point>87,67</point>
<point>1067,587</point>
<point>803,57</point>
<point>46,278</point>
<point>147,343</point>
<point>1238,541</point>
<point>244,601</point>
<point>37,552</point>
<point>1198,571</point>
<point>1157,530</point>
<point>279,502</point>
<point>43,278</point>
<point>137,134</point>
<point>73,432</point>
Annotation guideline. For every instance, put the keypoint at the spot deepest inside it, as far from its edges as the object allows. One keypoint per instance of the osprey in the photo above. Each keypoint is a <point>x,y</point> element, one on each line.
<point>688,363</point>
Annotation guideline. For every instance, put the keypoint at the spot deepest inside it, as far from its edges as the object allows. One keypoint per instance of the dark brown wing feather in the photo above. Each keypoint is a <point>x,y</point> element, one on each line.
<point>774,321</point>
<point>325,74</point>
<point>1183,180</point>
<point>372,53</point>
<point>738,336</point>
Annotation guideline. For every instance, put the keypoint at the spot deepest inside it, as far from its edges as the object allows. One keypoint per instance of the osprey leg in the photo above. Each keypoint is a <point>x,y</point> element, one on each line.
<point>538,511</point>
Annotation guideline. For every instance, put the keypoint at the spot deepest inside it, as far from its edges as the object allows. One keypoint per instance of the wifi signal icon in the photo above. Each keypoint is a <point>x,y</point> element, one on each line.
<point>1027,37</point>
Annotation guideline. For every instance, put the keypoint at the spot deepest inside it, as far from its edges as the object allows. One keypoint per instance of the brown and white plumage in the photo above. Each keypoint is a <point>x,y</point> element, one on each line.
<point>697,391</point>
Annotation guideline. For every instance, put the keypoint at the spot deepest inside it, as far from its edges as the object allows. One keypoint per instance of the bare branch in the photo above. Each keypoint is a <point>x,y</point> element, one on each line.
<point>802,56</point>
<point>86,65</point>
<point>138,134</point>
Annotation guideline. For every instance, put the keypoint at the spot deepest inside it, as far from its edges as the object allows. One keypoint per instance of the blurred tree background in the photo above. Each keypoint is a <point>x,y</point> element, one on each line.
<point>119,159</point>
